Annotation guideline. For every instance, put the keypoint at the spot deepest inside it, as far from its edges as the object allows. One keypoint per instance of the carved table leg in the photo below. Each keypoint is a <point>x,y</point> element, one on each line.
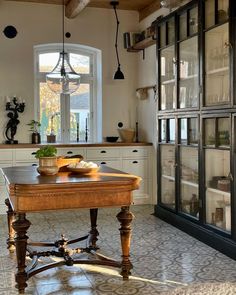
<point>93,234</point>
<point>125,218</point>
<point>11,232</point>
<point>21,226</point>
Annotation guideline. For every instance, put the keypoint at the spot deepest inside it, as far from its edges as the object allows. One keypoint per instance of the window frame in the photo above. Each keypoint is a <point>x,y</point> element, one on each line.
<point>94,79</point>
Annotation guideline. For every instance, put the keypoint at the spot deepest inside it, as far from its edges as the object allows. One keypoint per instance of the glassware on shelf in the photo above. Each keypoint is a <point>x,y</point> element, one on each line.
<point>218,184</point>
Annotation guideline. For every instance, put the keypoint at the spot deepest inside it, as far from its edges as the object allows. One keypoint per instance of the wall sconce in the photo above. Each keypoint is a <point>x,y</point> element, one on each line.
<point>118,74</point>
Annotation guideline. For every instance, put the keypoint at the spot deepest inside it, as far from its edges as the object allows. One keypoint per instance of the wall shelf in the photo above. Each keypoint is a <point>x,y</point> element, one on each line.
<point>142,45</point>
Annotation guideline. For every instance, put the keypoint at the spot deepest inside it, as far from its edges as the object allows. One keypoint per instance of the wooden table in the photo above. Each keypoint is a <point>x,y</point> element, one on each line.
<point>31,192</point>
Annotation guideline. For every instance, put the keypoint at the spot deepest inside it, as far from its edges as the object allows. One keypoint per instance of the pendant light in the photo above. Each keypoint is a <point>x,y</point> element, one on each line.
<point>118,74</point>
<point>63,79</point>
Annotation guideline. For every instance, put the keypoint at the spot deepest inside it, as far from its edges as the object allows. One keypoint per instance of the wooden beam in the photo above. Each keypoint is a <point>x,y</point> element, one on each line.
<point>154,6</point>
<point>74,7</point>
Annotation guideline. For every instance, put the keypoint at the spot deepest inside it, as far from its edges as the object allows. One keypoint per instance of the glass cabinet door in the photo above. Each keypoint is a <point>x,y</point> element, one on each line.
<point>188,84</point>
<point>218,187</point>
<point>189,202</point>
<point>217,49</point>
<point>167,70</point>
<point>217,172</point>
<point>168,175</point>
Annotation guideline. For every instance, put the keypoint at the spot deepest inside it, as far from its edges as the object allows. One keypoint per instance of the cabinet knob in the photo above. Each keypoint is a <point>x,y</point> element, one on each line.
<point>103,152</point>
<point>134,151</point>
<point>33,153</point>
<point>69,152</point>
<point>135,162</point>
<point>103,163</point>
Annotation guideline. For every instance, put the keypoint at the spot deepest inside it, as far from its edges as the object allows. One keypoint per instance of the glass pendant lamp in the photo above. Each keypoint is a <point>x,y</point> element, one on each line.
<point>63,79</point>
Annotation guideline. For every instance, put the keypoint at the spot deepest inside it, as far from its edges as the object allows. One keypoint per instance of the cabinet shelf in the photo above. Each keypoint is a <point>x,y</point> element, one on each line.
<point>190,77</point>
<point>171,81</point>
<point>142,45</point>
<point>186,182</point>
<point>217,191</point>
<point>219,71</point>
<point>168,177</point>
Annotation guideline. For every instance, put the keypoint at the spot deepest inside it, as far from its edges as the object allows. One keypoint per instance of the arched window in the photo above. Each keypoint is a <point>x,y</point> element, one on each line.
<point>68,116</point>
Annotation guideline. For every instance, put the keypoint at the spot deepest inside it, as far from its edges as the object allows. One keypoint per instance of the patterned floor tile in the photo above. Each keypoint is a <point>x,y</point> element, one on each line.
<point>164,258</point>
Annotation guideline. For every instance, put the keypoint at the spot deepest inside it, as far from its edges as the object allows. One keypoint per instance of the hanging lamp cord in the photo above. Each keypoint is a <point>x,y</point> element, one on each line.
<point>117,32</point>
<point>63,73</point>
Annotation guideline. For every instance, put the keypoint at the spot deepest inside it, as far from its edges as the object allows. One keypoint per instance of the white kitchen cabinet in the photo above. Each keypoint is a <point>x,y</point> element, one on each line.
<point>71,151</point>
<point>135,160</point>
<point>104,156</point>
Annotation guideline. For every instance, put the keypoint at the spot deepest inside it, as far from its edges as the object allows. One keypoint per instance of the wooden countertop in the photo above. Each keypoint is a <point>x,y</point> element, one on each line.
<point>86,144</point>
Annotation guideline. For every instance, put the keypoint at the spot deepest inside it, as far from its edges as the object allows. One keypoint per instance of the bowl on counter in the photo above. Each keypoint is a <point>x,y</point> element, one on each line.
<point>126,134</point>
<point>112,138</point>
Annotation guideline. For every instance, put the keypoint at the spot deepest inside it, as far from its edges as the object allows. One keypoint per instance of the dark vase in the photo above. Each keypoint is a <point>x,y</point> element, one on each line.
<point>36,138</point>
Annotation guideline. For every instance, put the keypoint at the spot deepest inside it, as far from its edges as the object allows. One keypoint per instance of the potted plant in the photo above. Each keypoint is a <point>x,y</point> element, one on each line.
<point>34,127</point>
<point>47,160</point>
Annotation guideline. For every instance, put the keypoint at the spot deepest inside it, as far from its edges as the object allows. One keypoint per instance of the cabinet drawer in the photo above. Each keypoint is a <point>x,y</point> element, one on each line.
<point>6,155</point>
<point>70,152</point>
<point>116,164</point>
<point>102,153</point>
<point>25,154</point>
<point>134,152</point>
<point>136,167</point>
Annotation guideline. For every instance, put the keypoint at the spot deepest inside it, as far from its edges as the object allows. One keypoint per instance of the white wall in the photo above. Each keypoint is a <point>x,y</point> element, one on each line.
<point>40,24</point>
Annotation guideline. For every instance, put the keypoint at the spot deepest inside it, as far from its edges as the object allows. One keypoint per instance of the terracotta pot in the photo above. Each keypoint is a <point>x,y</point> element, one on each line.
<point>47,166</point>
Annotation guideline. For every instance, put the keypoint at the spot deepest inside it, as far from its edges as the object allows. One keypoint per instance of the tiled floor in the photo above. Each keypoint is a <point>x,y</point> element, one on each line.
<point>164,258</point>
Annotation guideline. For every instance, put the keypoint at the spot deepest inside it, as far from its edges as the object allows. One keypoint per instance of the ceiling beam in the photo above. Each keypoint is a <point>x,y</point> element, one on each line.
<point>146,11</point>
<point>74,7</point>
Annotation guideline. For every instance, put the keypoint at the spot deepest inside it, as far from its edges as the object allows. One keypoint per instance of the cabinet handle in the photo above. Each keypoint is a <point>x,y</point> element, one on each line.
<point>135,162</point>
<point>103,163</point>
<point>103,152</point>
<point>33,153</point>
<point>134,151</point>
<point>34,165</point>
<point>69,152</point>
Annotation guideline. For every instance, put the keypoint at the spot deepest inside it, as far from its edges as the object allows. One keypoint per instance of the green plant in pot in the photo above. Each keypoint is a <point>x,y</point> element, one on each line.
<point>47,160</point>
<point>34,128</point>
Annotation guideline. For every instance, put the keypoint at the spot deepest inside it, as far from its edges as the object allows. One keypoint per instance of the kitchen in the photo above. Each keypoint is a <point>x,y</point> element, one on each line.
<point>93,28</point>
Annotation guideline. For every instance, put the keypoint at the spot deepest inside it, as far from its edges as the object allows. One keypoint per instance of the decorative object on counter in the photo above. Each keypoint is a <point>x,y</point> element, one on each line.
<point>86,129</point>
<point>17,106</point>
<point>118,74</point>
<point>112,138</point>
<point>47,160</point>
<point>126,134</point>
<point>63,79</point>
<point>34,127</point>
